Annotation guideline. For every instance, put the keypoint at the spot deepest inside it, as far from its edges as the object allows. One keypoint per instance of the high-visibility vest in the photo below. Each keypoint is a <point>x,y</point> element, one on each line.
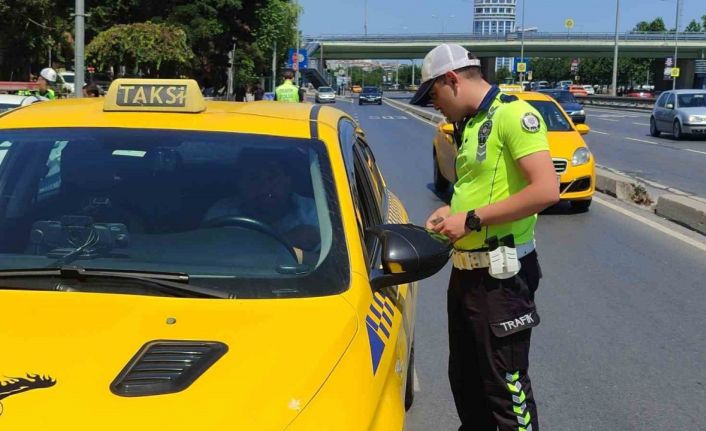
<point>287,92</point>
<point>49,94</point>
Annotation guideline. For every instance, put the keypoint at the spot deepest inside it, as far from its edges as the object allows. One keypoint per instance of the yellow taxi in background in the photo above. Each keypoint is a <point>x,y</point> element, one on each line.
<point>573,161</point>
<point>356,89</point>
<point>172,263</point>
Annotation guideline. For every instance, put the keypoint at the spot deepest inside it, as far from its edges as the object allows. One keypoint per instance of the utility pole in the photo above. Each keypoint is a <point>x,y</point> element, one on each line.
<point>274,66</point>
<point>522,43</point>
<point>614,90</point>
<point>296,49</point>
<point>365,19</point>
<point>412,71</point>
<point>79,41</point>
<point>676,45</point>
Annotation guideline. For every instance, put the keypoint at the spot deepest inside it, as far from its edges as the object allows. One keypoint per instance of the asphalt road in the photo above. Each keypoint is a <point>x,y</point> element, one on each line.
<point>620,139</point>
<point>621,345</point>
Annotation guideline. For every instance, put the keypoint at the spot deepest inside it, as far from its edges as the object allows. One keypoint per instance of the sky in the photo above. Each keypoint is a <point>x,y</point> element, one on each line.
<point>328,17</point>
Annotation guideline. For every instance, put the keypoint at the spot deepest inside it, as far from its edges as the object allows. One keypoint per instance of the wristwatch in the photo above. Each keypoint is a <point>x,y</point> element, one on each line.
<point>473,221</point>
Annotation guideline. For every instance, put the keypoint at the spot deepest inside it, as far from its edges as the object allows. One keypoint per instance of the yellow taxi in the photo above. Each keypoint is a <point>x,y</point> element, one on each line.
<point>356,89</point>
<point>573,161</point>
<point>172,263</point>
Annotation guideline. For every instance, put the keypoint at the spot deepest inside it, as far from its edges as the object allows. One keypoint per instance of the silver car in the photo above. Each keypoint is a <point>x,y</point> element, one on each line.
<point>325,94</point>
<point>679,112</point>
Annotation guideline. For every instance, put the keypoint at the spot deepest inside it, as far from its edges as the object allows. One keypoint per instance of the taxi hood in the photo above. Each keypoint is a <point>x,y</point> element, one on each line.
<point>62,351</point>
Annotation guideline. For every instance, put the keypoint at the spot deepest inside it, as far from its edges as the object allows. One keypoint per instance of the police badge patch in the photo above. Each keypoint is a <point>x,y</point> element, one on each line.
<point>530,122</point>
<point>483,134</point>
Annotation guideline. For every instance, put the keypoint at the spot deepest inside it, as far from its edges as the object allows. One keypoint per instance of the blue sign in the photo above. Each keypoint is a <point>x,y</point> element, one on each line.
<point>518,60</point>
<point>302,57</point>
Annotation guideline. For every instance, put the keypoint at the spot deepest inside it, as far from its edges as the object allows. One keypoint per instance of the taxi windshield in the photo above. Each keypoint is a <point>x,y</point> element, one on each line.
<point>555,120</point>
<point>254,215</point>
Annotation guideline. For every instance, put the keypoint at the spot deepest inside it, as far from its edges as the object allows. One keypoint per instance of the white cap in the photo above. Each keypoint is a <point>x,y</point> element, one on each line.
<point>49,74</point>
<point>444,58</point>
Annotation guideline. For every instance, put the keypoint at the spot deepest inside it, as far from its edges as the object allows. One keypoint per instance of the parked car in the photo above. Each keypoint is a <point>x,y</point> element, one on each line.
<point>564,85</point>
<point>12,101</point>
<point>573,161</point>
<point>577,90</point>
<point>589,89</point>
<point>370,95</point>
<point>569,103</point>
<point>679,112</point>
<point>325,95</point>
<point>641,94</point>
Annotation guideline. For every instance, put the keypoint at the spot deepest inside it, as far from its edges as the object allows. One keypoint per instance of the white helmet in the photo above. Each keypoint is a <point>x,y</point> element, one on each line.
<point>49,74</point>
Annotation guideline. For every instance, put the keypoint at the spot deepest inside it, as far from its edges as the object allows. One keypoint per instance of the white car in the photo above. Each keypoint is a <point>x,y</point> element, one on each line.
<point>12,101</point>
<point>589,89</point>
<point>67,81</point>
<point>325,94</point>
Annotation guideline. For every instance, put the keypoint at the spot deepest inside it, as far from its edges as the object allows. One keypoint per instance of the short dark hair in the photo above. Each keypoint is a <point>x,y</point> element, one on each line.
<point>288,74</point>
<point>470,72</point>
<point>92,90</point>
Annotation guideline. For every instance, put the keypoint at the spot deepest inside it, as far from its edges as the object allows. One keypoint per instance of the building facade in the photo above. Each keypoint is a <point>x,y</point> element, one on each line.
<point>495,17</point>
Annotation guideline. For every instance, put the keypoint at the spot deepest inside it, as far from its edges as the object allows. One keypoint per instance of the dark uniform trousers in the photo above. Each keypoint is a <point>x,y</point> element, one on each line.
<point>490,323</point>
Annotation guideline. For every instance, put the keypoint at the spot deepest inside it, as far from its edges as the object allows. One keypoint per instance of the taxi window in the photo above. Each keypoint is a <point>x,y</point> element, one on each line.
<point>254,215</point>
<point>555,119</point>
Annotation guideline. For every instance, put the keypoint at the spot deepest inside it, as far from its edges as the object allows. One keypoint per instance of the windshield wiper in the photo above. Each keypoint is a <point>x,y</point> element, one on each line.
<point>173,282</point>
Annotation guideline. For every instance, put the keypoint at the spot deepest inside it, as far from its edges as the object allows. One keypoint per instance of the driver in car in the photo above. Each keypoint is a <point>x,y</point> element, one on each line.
<point>265,194</point>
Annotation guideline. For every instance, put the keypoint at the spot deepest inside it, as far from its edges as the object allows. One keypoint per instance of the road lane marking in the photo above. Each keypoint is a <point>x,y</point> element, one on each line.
<point>600,133</point>
<point>415,381</point>
<point>694,151</point>
<point>642,124</point>
<point>607,119</point>
<point>652,224</point>
<point>642,140</point>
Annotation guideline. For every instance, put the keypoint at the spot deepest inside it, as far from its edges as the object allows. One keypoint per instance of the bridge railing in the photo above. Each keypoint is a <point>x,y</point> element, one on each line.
<point>618,102</point>
<point>513,36</point>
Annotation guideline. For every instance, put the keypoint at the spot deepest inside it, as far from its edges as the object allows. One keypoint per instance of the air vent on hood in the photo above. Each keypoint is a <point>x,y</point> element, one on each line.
<point>165,366</point>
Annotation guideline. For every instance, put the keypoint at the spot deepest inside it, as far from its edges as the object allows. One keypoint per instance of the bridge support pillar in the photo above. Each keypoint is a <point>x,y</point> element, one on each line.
<point>687,75</point>
<point>487,67</point>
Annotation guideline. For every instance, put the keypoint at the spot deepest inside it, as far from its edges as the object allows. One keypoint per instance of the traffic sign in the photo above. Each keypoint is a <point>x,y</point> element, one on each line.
<point>675,72</point>
<point>297,60</point>
<point>569,23</point>
<point>522,67</point>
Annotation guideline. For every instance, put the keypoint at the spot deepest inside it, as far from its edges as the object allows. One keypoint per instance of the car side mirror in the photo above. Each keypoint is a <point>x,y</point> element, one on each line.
<point>670,106</point>
<point>448,128</point>
<point>409,253</point>
<point>582,129</point>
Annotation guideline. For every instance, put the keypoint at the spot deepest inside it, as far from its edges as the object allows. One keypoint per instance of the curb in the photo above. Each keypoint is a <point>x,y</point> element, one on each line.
<point>684,210</point>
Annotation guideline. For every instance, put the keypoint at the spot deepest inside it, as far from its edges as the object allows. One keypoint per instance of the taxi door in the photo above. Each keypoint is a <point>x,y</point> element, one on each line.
<point>375,204</point>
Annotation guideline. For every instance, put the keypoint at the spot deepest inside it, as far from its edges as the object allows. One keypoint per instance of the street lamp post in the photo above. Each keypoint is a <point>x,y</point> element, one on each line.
<point>365,18</point>
<point>676,45</point>
<point>613,91</point>
<point>79,44</point>
<point>522,43</point>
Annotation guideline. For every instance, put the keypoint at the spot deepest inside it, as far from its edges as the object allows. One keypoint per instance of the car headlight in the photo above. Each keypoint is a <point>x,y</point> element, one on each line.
<point>581,112</point>
<point>696,118</point>
<point>581,156</point>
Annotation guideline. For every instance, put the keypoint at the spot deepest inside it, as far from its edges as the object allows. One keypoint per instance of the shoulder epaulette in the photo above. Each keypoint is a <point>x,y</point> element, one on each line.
<point>507,98</point>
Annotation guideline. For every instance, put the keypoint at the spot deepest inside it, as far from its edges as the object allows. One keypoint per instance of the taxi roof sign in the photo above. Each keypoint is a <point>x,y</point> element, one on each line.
<point>154,95</point>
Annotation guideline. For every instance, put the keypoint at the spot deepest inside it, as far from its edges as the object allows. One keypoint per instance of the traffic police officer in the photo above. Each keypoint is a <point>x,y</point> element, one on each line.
<point>47,77</point>
<point>505,176</point>
<point>287,92</point>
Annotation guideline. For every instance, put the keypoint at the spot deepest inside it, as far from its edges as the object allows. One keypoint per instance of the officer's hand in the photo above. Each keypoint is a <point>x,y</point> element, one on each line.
<point>453,227</point>
<point>437,215</point>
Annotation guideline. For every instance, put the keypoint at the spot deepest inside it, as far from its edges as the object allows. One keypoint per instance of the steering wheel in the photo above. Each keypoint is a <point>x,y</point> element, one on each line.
<point>251,224</point>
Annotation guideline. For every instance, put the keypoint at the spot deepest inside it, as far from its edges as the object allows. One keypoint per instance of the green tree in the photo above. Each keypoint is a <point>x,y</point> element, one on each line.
<point>502,75</point>
<point>145,47</point>
<point>657,25</point>
<point>703,22</point>
<point>693,27</point>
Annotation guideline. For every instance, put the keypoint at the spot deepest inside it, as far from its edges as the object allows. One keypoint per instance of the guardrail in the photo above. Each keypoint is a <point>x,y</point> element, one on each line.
<point>618,102</point>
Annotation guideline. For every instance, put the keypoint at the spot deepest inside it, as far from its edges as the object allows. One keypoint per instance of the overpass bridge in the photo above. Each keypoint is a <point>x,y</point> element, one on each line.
<point>692,46</point>
<point>405,47</point>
